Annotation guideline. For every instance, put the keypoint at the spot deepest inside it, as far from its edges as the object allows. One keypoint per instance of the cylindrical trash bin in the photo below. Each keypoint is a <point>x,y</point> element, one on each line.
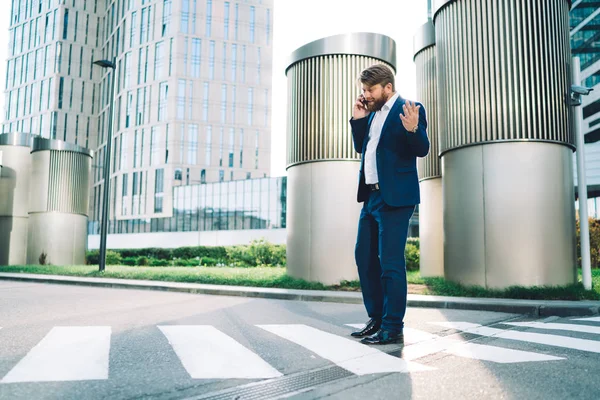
<point>322,165</point>
<point>431,229</point>
<point>14,196</point>
<point>58,203</point>
<point>505,142</point>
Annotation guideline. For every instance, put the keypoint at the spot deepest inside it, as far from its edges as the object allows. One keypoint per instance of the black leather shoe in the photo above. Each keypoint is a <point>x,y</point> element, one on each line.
<point>371,327</point>
<point>384,337</point>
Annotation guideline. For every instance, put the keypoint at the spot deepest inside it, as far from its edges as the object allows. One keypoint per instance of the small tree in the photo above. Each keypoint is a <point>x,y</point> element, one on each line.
<point>43,259</point>
<point>594,242</point>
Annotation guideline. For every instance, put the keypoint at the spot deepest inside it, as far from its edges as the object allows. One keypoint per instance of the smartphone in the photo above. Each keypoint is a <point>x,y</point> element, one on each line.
<point>364,101</point>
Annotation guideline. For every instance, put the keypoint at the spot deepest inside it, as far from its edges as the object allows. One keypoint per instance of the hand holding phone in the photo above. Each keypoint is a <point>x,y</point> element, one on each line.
<point>360,109</point>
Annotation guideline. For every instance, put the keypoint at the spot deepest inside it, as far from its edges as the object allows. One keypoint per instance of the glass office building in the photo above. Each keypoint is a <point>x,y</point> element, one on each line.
<point>235,205</point>
<point>192,100</point>
<point>585,44</point>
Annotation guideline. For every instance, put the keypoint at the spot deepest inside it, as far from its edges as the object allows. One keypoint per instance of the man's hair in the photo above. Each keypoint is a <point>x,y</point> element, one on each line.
<point>377,74</point>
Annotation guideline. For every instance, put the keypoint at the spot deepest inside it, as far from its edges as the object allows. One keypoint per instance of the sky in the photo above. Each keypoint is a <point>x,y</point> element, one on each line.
<point>296,23</point>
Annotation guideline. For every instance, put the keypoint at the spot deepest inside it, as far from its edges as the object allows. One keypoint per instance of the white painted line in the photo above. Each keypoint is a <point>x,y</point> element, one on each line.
<point>550,340</point>
<point>349,354</point>
<point>427,344</point>
<point>66,354</point>
<point>558,327</point>
<point>410,335</point>
<point>207,353</point>
<point>590,319</point>
<point>497,354</point>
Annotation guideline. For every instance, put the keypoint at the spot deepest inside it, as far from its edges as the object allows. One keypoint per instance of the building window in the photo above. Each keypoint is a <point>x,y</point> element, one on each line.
<point>233,61</point>
<point>211,60</point>
<point>208,17</point>
<point>208,144</point>
<point>159,190</point>
<point>185,16</point>
<point>223,103</point>
<point>158,60</point>
<point>154,146</point>
<point>244,63</point>
<point>166,19</point>
<point>66,24</point>
<point>205,103</point>
<point>252,23</point>
<point>61,88</point>
<point>133,29</point>
<point>268,26</point>
<point>231,146</point>
<point>181,99</point>
<point>226,32</point>
<point>162,101</point>
<point>196,50</point>
<point>193,144</point>
<point>250,104</point>
<point>125,197</point>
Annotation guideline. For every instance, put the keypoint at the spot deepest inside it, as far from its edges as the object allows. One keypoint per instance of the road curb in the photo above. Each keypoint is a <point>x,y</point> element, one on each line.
<point>540,308</point>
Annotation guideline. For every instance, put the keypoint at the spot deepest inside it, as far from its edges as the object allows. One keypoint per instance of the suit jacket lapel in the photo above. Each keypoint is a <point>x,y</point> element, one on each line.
<point>394,112</point>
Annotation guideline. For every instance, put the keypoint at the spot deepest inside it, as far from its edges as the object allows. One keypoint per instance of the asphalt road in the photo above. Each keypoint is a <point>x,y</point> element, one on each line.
<point>75,342</point>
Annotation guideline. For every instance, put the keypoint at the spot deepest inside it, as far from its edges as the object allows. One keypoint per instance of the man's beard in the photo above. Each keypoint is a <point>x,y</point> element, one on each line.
<point>378,104</point>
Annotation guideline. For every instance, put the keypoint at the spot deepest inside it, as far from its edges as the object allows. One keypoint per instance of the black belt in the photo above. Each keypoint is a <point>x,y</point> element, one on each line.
<point>374,187</point>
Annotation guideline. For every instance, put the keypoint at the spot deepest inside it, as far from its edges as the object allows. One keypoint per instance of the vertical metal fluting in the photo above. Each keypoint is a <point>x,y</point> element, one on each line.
<point>431,229</point>
<point>505,141</point>
<point>322,165</point>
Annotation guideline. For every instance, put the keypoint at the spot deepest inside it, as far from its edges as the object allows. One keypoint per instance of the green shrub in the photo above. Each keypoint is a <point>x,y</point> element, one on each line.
<point>264,253</point>
<point>113,258</point>
<point>414,241</point>
<point>259,252</point>
<point>208,262</point>
<point>159,263</point>
<point>142,261</point>
<point>411,254</point>
<point>594,226</point>
<point>239,256</point>
<point>131,261</point>
<point>92,257</point>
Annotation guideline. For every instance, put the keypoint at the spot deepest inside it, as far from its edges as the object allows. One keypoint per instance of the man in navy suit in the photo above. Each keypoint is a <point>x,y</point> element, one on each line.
<point>390,133</point>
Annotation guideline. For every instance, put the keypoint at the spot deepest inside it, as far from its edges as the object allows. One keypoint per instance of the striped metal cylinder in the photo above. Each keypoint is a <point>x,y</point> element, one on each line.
<point>58,206</point>
<point>503,71</point>
<point>322,86</point>
<point>425,61</point>
<point>322,165</point>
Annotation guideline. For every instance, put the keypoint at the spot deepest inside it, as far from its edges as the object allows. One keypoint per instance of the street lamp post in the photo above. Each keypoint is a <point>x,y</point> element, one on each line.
<point>104,222</point>
<point>575,101</point>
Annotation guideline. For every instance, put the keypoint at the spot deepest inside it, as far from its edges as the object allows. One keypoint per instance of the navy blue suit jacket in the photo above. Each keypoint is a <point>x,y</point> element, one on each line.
<point>396,154</point>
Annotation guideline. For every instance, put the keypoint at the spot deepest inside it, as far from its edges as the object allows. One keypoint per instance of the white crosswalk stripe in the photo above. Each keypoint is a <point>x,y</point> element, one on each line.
<point>421,344</point>
<point>66,354</point>
<point>207,353</point>
<point>81,353</point>
<point>588,319</point>
<point>558,327</point>
<point>355,357</point>
<point>540,338</point>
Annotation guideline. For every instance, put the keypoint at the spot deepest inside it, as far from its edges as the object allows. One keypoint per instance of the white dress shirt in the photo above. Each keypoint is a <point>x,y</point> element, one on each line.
<point>374,135</point>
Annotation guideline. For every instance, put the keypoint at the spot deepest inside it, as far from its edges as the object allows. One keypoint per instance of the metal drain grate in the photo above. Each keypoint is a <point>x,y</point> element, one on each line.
<point>274,388</point>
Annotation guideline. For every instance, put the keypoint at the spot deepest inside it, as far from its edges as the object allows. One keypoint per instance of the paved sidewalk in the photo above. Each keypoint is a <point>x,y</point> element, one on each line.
<point>531,307</point>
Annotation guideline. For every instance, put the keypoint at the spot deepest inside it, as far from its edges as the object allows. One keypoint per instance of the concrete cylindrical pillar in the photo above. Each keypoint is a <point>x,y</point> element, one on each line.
<point>322,166</point>
<point>14,194</point>
<point>431,229</point>
<point>505,142</point>
<point>58,205</point>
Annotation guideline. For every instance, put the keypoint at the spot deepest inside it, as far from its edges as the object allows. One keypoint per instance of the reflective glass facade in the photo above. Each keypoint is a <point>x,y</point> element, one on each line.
<point>235,205</point>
